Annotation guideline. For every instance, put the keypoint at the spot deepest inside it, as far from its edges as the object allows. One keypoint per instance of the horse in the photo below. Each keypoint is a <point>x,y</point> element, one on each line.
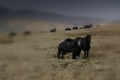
<point>85,46</point>
<point>75,28</point>
<point>12,34</point>
<point>53,30</point>
<point>87,26</point>
<point>27,32</point>
<point>67,29</point>
<point>69,45</point>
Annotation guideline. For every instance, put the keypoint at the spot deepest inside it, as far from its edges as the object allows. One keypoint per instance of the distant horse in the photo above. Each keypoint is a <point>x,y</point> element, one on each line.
<point>75,28</point>
<point>53,30</point>
<point>98,26</point>
<point>85,46</point>
<point>67,29</point>
<point>27,32</point>
<point>87,26</point>
<point>69,45</point>
<point>81,27</point>
<point>12,34</point>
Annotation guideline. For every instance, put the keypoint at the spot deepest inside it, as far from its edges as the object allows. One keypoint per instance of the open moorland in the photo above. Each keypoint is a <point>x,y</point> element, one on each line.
<point>34,57</point>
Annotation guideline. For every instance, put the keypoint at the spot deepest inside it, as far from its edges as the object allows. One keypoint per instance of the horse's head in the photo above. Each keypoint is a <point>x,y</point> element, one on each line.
<point>88,38</point>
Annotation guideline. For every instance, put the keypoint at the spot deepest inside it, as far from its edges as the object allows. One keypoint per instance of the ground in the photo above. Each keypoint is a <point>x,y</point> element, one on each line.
<point>34,57</point>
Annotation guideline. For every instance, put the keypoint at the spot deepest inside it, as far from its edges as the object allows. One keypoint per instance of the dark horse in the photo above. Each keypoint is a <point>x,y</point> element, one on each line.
<point>85,46</point>
<point>12,34</point>
<point>87,26</point>
<point>70,45</point>
<point>27,32</point>
<point>67,29</point>
<point>75,28</point>
<point>53,30</point>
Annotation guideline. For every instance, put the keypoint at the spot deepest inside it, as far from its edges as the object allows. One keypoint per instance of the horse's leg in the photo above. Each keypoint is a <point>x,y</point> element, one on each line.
<point>59,55</point>
<point>87,53</point>
<point>74,54</point>
<point>63,53</point>
<point>78,53</point>
<point>59,52</point>
<point>84,54</point>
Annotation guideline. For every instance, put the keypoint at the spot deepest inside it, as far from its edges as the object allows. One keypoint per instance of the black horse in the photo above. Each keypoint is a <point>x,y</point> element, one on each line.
<point>70,45</point>
<point>87,26</point>
<point>67,29</point>
<point>27,32</point>
<point>75,28</point>
<point>12,34</point>
<point>85,46</point>
<point>53,30</point>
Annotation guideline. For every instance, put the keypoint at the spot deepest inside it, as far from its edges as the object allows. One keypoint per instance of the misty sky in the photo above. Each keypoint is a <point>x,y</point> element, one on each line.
<point>106,9</point>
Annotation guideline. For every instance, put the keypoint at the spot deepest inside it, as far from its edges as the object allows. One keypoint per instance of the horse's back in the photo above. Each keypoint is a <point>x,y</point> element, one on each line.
<point>68,40</point>
<point>67,45</point>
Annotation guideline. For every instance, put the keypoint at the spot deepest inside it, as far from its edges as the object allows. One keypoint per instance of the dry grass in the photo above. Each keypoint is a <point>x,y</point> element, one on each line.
<point>6,40</point>
<point>34,57</point>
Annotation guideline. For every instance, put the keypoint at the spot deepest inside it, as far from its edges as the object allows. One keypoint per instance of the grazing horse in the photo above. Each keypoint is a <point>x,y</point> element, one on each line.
<point>12,34</point>
<point>53,30</point>
<point>27,32</point>
<point>85,46</point>
<point>87,26</point>
<point>70,45</point>
<point>67,29</point>
<point>75,28</point>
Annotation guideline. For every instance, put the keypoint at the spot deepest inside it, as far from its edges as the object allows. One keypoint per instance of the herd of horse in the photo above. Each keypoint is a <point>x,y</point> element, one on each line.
<point>74,28</point>
<point>68,29</point>
<point>75,46</point>
<point>11,34</point>
<point>69,45</point>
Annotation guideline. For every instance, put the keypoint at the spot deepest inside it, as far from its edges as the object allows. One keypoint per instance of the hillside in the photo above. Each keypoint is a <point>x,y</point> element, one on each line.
<point>45,16</point>
<point>16,18</point>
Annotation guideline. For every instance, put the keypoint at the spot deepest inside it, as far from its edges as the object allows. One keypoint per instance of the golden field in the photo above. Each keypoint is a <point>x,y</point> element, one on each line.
<point>34,57</point>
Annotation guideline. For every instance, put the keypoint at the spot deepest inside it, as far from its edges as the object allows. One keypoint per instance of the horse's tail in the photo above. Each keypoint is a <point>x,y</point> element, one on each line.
<point>59,51</point>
